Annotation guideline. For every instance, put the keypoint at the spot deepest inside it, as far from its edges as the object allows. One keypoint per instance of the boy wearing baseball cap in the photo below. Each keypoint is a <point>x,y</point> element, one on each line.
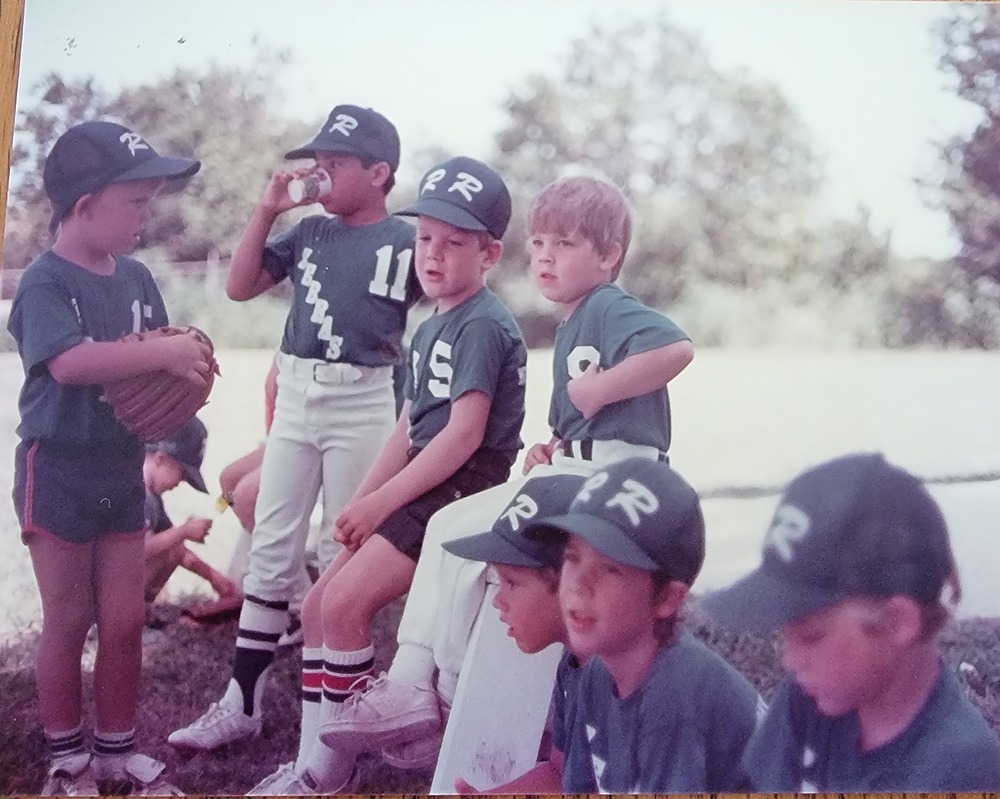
<point>656,710</point>
<point>853,572</point>
<point>458,434</point>
<point>169,463</point>
<point>351,270</point>
<point>78,483</point>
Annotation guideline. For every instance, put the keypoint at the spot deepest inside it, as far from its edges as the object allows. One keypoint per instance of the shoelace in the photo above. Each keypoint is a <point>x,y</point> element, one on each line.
<point>214,713</point>
<point>362,687</point>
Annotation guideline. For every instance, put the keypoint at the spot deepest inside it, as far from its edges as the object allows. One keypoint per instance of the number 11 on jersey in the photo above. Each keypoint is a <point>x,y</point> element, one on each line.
<point>380,283</point>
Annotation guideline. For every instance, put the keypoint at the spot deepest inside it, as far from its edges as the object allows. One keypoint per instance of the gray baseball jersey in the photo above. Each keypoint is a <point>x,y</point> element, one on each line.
<point>476,346</point>
<point>682,731</point>
<point>606,328</point>
<point>947,747</point>
<point>353,286</point>
<point>564,699</point>
<point>59,304</point>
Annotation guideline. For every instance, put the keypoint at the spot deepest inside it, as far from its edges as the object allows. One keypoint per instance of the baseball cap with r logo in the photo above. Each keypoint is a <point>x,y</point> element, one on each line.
<point>354,130</point>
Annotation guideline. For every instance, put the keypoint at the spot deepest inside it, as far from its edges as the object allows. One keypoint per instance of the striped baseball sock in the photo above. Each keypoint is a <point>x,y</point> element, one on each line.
<point>341,670</point>
<point>312,696</point>
<point>111,749</point>
<point>65,744</point>
<point>262,622</point>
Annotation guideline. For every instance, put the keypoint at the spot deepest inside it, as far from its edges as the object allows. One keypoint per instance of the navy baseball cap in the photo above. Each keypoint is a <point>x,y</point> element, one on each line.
<point>638,512</point>
<point>852,526</point>
<point>505,543</point>
<point>465,193</point>
<point>187,447</point>
<point>356,131</point>
<point>95,154</point>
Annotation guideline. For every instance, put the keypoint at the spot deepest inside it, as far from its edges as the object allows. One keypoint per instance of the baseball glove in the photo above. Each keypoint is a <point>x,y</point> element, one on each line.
<point>155,405</point>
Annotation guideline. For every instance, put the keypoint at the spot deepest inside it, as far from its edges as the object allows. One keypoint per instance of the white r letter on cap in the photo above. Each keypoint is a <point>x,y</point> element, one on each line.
<point>590,486</point>
<point>134,141</point>
<point>789,526</point>
<point>634,499</point>
<point>344,124</point>
<point>466,185</point>
<point>524,507</point>
<point>432,180</point>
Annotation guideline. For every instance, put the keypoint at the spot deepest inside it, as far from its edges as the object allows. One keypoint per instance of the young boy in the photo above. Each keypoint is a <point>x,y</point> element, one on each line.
<point>612,362</point>
<point>527,601</point>
<point>853,572</point>
<point>459,434</point>
<point>656,711</point>
<point>78,486</point>
<point>169,463</point>
<point>353,285</point>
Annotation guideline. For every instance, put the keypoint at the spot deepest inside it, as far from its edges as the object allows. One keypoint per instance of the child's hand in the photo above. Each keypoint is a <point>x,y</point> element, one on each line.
<point>275,198</point>
<point>463,788</point>
<point>358,521</point>
<point>185,357</point>
<point>540,453</point>
<point>584,392</point>
<point>195,529</point>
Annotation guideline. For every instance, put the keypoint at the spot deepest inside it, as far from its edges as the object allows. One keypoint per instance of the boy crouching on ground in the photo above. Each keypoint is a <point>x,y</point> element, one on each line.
<point>853,570</point>
<point>656,710</point>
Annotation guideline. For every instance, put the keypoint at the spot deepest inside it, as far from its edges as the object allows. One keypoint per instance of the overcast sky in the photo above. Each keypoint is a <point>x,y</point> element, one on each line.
<point>862,75</point>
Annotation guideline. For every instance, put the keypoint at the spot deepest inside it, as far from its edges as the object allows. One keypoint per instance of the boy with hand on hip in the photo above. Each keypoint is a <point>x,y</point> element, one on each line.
<point>353,286</point>
<point>853,573</point>
<point>656,710</point>
<point>169,463</point>
<point>458,434</point>
<point>612,362</point>
<point>78,483</point>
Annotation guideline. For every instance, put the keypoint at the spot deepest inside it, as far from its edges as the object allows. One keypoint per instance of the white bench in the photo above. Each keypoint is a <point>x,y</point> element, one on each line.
<point>500,709</point>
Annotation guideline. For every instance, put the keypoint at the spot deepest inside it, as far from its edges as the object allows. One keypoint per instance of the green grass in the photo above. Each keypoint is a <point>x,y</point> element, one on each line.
<point>185,668</point>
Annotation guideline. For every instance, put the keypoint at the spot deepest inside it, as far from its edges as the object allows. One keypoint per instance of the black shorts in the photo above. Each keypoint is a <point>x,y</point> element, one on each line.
<point>405,528</point>
<point>77,493</point>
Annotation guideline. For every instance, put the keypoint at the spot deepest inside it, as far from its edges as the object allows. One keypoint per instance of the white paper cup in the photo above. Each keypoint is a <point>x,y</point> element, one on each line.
<point>310,188</point>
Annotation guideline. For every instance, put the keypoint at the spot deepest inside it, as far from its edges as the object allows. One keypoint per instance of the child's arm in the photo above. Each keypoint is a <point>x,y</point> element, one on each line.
<point>193,529</point>
<point>636,375</point>
<point>221,584</point>
<point>540,453</point>
<point>247,276</point>
<point>545,778</point>
<point>439,460</point>
<point>93,362</point>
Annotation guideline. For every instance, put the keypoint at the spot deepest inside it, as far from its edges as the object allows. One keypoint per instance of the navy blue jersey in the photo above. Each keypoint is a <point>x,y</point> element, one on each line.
<point>475,346</point>
<point>155,513</point>
<point>948,747</point>
<point>683,730</point>
<point>564,699</point>
<point>607,327</point>
<point>59,305</point>
<point>353,285</point>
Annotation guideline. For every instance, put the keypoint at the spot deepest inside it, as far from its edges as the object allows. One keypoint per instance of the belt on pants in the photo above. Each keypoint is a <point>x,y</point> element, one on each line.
<point>586,449</point>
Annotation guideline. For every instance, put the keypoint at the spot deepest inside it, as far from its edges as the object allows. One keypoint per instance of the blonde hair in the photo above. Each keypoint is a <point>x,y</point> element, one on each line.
<point>592,206</point>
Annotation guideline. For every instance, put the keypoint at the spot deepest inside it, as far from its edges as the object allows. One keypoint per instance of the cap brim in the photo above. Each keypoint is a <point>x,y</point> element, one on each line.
<point>160,167</point>
<point>761,602</point>
<point>194,478</point>
<point>603,536</point>
<point>491,548</point>
<point>310,150</point>
<point>446,212</point>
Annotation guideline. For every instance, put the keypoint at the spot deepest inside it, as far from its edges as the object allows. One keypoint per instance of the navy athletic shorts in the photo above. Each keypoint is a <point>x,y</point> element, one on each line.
<point>405,528</point>
<point>77,493</point>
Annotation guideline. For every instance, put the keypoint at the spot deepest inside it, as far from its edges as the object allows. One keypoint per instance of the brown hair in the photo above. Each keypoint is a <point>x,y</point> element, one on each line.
<point>592,206</point>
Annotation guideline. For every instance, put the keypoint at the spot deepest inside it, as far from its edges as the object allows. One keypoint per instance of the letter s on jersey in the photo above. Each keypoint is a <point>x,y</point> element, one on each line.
<point>580,359</point>
<point>440,366</point>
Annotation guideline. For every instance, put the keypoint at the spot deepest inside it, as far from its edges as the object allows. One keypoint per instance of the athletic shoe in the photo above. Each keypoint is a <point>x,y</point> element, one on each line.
<point>293,634</point>
<point>132,775</point>
<point>70,776</point>
<point>385,713</point>
<point>223,723</point>
<point>286,781</point>
<point>417,755</point>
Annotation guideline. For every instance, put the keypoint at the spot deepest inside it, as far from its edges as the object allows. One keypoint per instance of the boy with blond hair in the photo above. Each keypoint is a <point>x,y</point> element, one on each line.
<point>613,359</point>
<point>854,570</point>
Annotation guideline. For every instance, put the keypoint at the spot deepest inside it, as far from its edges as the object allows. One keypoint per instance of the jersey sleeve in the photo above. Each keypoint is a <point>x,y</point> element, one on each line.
<point>733,717</point>
<point>477,358</point>
<point>153,298</point>
<point>44,323</point>
<point>280,253</point>
<point>772,753</point>
<point>631,328</point>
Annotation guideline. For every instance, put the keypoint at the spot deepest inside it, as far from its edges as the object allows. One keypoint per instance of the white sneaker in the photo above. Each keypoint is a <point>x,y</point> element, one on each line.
<point>70,776</point>
<point>223,723</point>
<point>417,755</point>
<point>293,634</point>
<point>132,775</point>
<point>286,781</point>
<point>385,713</point>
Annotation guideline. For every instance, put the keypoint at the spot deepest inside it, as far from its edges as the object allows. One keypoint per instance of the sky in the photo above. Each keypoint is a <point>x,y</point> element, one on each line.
<point>862,75</point>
